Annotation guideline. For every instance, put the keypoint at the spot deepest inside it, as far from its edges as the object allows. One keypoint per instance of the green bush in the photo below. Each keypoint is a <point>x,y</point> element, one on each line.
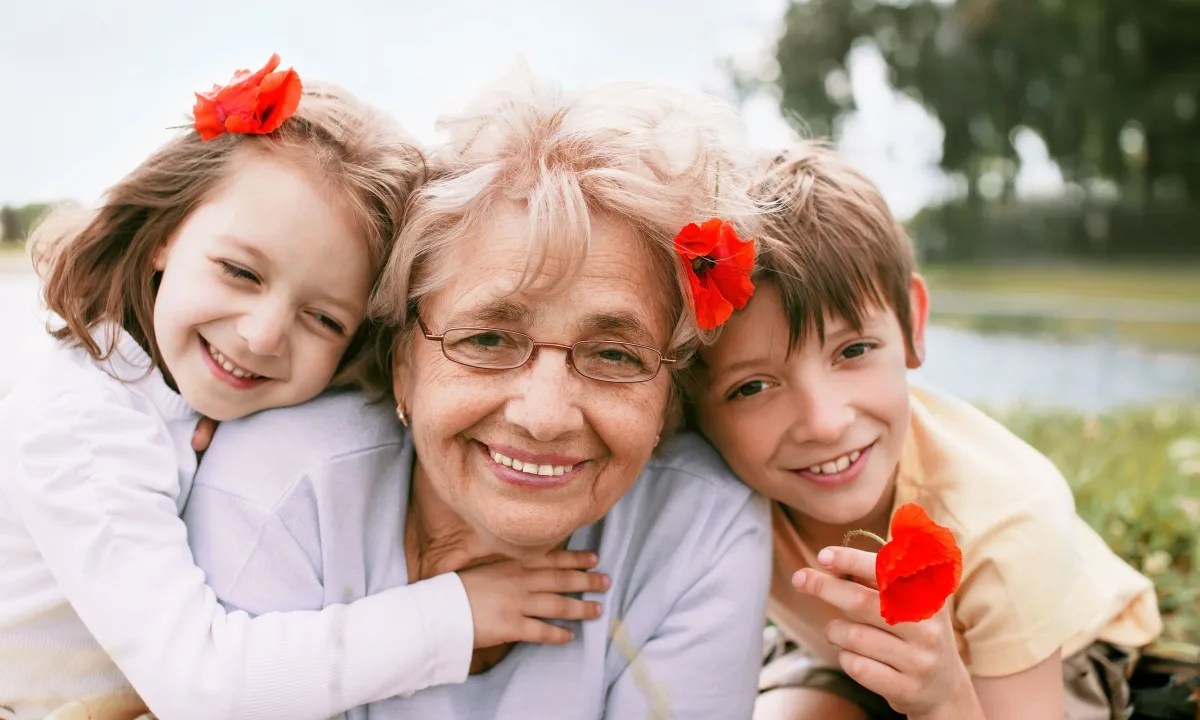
<point>1136,478</point>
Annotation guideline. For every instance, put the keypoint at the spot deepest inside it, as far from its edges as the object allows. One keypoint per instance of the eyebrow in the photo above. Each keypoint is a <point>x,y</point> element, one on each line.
<point>502,311</point>
<point>247,247</point>
<point>622,322</point>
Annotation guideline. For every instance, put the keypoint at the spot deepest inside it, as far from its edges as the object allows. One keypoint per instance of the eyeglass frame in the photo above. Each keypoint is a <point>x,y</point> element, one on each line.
<point>569,349</point>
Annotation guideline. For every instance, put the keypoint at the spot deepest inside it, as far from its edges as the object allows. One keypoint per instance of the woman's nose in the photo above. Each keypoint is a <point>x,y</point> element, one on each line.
<point>546,400</point>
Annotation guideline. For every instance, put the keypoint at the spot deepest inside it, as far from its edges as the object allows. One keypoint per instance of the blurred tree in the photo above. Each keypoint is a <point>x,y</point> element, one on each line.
<point>18,221</point>
<point>1112,86</point>
<point>9,223</point>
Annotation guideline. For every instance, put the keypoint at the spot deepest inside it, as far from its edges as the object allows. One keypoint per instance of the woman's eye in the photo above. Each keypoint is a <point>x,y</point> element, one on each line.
<point>856,350</point>
<point>237,271</point>
<point>753,387</point>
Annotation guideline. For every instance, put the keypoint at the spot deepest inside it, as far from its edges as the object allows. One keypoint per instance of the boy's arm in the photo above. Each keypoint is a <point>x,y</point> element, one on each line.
<point>96,491</point>
<point>1036,693</point>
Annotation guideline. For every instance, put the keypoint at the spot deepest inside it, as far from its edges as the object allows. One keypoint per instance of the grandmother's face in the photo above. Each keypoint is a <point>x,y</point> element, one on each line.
<point>589,439</point>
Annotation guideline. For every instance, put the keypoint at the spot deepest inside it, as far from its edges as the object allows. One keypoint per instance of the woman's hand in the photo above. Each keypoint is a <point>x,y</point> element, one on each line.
<point>508,599</point>
<point>914,666</point>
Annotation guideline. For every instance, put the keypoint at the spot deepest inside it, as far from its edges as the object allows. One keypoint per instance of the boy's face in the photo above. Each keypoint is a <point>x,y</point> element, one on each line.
<point>820,430</point>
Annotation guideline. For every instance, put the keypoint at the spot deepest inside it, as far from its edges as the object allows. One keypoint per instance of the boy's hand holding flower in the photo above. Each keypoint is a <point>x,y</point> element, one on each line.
<point>899,642</point>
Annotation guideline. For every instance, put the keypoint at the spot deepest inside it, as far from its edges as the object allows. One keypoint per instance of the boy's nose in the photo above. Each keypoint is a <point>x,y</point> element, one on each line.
<point>824,415</point>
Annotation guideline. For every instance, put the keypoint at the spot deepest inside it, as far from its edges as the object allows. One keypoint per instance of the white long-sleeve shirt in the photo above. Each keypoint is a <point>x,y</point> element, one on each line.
<point>99,590</point>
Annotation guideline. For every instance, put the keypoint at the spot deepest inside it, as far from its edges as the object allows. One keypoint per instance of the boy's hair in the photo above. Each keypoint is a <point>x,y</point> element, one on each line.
<point>97,265</point>
<point>650,158</point>
<point>831,245</point>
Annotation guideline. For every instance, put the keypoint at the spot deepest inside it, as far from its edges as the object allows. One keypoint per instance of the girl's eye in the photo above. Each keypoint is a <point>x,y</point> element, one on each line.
<point>330,323</point>
<point>236,271</point>
<point>857,349</point>
<point>753,387</point>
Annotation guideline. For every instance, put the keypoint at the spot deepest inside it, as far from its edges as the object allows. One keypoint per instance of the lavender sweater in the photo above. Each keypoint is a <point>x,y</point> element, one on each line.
<point>303,508</point>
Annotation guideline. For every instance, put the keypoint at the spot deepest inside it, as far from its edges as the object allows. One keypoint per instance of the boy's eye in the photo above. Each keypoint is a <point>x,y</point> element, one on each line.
<point>856,350</point>
<point>753,387</point>
<point>237,271</point>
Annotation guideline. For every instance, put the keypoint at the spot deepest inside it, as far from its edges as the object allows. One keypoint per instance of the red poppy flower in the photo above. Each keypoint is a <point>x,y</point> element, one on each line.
<point>255,103</point>
<point>918,569</point>
<point>719,265</point>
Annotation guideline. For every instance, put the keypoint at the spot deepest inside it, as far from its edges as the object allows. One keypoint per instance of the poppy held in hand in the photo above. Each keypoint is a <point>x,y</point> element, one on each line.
<point>719,264</point>
<point>918,569</point>
<point>256,103</point>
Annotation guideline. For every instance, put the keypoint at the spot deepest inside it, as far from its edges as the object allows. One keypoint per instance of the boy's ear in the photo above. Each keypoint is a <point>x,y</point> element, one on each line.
<point>918,297</point>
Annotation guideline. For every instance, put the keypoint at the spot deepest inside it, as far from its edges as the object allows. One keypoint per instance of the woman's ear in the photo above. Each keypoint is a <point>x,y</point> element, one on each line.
<point>918,298</point>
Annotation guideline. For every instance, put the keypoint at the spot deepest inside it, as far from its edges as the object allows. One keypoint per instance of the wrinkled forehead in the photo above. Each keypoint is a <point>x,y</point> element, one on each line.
<point>500,275</point>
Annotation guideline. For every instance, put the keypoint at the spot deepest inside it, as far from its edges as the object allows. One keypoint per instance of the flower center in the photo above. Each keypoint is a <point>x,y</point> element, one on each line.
<point>701,263</point>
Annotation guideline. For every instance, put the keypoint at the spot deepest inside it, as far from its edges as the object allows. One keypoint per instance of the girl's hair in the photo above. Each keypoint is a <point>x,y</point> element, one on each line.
<point>97,265</point>
<point>648,157</point>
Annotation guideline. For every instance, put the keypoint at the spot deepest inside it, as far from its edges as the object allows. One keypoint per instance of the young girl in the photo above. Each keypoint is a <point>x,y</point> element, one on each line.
<point>806,395</point>
<point>229,273</point>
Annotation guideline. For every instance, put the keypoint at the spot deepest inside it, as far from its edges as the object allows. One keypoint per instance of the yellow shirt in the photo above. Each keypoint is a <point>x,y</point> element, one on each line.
<point>1035,578</point>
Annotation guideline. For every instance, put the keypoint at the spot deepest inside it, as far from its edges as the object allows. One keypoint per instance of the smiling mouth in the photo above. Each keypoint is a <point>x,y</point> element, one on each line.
<point>529,468</point>
<point>228,365</point>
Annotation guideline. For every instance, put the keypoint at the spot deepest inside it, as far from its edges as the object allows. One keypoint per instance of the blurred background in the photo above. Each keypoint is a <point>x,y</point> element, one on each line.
<point>1045,155</point>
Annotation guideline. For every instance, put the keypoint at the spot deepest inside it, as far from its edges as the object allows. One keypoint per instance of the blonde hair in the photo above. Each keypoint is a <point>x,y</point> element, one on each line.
<point>832,245</point>
<point>650,158</point>
<point>97,266</point>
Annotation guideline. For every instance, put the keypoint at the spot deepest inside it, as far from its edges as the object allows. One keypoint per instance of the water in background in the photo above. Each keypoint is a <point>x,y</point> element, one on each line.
<point>987,369</point>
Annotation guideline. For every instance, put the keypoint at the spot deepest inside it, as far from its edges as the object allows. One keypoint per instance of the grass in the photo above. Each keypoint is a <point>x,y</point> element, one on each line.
<point>1178,283</point>
<point>1175,282</point>
<point>1136,478</point>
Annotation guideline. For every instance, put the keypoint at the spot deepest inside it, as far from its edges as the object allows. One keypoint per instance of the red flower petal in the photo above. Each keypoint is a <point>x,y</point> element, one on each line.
<point>719,266</point>
<point>257,102</point>
<point>918,569</point>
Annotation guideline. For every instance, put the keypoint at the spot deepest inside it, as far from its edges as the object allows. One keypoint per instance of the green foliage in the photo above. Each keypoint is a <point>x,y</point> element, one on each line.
<point>1136,479</point>
<point>18,221</point>
<point>1111,85</point>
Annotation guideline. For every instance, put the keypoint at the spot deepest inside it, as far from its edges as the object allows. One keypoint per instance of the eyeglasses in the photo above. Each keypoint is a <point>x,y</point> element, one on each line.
<point>495,349</point>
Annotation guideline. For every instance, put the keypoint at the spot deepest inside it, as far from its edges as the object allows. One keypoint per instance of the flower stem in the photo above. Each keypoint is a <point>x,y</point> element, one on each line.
<point>862,533</point>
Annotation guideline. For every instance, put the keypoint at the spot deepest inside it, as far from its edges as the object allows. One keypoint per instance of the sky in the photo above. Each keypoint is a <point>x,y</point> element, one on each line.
<point>87,89</point>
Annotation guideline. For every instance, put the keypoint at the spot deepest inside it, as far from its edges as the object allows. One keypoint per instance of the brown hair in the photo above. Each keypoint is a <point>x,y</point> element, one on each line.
<point>97,266</point>
<point>831,246</point>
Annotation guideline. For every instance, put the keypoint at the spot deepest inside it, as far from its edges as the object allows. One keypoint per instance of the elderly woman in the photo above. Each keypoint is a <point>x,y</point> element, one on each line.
<point>538,310</point>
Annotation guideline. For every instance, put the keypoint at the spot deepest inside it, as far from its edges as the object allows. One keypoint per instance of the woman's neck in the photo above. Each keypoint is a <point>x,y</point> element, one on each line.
<point>436,539</point>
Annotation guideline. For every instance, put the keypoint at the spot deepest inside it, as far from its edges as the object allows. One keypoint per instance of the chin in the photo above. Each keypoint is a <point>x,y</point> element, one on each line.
<point>520,535</point>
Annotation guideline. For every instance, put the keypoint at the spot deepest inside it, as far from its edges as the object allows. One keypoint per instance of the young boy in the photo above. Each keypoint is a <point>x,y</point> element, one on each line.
<point>806,395</point>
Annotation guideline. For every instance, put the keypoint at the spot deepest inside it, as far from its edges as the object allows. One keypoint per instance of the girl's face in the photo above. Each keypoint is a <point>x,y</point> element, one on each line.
<point>262,289</point>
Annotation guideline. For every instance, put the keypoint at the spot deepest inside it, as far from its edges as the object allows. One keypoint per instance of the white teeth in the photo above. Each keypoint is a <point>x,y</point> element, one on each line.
<point>228,366</point>
<point>531,468</point>
<point>837,465</point>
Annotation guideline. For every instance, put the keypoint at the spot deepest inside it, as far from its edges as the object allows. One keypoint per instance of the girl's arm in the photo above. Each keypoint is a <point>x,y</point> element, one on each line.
<point>97,492</point>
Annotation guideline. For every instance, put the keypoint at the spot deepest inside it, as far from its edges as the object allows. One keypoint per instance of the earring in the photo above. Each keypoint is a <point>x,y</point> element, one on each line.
<point>656,439</point>
<point>402,414</point>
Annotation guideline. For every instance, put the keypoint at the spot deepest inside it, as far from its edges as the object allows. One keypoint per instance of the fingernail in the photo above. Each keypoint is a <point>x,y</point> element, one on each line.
<point>825,557</point>
<point>605,581</point>
<point>798,579</point>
